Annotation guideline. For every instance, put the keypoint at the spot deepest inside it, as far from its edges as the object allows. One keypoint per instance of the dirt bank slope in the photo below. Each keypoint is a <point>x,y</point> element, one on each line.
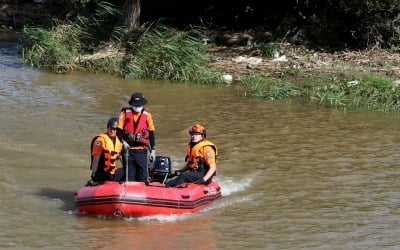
<point>307,62</point>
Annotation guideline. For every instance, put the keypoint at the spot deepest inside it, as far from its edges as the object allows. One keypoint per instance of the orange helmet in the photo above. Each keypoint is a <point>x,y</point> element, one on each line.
<point>197,128</point>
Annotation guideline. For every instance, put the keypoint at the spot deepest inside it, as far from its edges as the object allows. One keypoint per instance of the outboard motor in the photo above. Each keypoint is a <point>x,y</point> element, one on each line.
<point>161,169</point>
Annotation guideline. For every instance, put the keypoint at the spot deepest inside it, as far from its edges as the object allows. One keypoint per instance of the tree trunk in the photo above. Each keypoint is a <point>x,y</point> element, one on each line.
<point>132,14</point>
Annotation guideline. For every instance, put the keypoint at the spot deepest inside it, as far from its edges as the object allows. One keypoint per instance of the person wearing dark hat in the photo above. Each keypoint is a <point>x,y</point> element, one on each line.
<point>136,130</point>
<point>106,150</point>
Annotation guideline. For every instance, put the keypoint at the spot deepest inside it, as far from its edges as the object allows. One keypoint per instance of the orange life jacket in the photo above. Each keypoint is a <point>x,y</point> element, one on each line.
<point>138,128</point>
<point>110,154</point>
<point>195,160</point>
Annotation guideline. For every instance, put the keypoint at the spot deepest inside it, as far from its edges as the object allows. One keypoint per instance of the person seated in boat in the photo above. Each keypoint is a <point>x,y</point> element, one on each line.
<point>106,150</point>
<point>201,156</point>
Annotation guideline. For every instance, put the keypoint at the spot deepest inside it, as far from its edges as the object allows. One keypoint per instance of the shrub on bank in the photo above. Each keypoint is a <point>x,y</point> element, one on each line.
<point>371,92</point>
<point>167,54</point>
<point>269,88</point>
<point>76,45</point>
<point>160,53</point>
<point>54,49</point>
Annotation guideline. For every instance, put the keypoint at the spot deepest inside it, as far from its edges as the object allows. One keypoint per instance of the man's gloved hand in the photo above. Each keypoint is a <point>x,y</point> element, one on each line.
<point>178,172</point>
<point>200,181</point>
<point>152,155</point>
<point>93,176</point>
<point>130,137</point>
<point>125,144</point>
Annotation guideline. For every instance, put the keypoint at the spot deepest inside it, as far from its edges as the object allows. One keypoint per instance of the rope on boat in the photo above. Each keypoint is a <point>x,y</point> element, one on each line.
<point>118,213</point>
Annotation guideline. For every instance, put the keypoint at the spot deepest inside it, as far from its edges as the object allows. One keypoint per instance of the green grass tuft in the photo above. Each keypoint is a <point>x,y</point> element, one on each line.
<point>371,92</point>
<point>269,88</point>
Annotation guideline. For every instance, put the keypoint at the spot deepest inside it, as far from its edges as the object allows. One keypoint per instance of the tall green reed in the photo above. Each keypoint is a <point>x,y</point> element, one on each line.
<point>53,49</point>
<point>166,54</point>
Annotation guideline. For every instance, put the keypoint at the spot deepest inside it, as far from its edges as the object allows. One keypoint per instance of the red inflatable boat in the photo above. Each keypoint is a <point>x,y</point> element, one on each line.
<point>140,199</point>
<point>114,198</point>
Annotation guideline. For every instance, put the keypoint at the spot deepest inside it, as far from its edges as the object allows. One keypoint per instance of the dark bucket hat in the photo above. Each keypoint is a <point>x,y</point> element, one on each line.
<point>137,99</point>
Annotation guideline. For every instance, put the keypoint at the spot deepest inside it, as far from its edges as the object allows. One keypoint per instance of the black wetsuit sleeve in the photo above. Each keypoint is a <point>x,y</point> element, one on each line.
<point>120,134</point>
<point>152,140</point>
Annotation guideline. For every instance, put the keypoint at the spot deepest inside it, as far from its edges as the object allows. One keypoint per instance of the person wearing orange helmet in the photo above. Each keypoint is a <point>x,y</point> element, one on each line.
<point>201,156</point>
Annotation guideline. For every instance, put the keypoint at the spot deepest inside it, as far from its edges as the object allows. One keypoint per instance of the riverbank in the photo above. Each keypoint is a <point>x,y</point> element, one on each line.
<point>342,79</point>
<point>292,60</point>
<point>305,63</point>
<point>268,70</point>
<point>345,80</point>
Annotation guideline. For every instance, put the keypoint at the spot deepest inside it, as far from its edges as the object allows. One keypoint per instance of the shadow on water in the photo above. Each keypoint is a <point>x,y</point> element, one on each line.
<point>9,47</point>
<point>67,197</point>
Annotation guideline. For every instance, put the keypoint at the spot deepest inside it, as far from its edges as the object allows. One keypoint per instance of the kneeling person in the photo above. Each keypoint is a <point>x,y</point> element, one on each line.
<point>201,159</point>
<point>106,150</point>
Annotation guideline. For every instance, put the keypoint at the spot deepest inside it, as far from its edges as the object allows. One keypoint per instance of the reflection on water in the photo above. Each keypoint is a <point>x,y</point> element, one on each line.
<point>135,234</point>
<point>292,176</point>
